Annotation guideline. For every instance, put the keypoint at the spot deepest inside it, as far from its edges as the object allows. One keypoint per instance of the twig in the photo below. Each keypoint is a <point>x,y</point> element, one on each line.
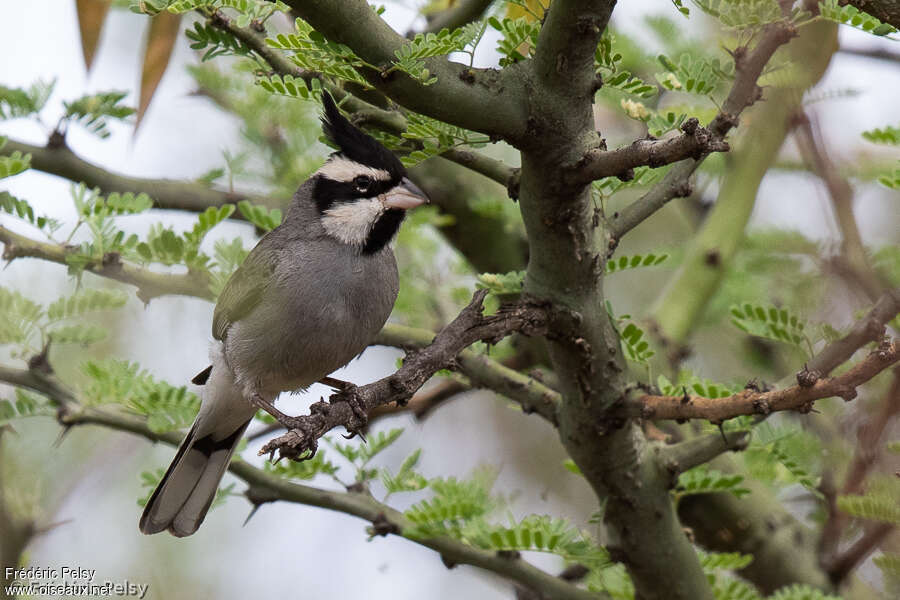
<point>841,194</point>
<point>166,193</point>
<point>744,92</point>
<point>868,329</point>
<point>266,487</point>
<point>749,402</point>
<point>362,112</point>
<point>150,284</point>
<point>695,142</point>
<point>845,563</point>
<point>468,327</point>
<point>864,458</point>
<point>688,454</point>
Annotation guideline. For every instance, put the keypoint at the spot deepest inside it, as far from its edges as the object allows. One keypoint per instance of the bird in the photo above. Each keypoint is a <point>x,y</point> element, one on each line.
<point>311,295</point>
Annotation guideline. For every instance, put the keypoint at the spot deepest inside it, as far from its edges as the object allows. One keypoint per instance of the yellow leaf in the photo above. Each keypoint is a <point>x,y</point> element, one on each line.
<point>91,15</point>
<point>161,38</point>
<point>534,12</point>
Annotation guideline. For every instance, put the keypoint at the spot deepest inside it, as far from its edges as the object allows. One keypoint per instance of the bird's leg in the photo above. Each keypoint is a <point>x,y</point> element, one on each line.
<point>337,384</point>
<point>261,403</point>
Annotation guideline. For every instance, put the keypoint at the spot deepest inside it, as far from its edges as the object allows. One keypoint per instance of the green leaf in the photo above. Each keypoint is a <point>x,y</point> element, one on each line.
<point>25,405</point>
<point>886,135</point>
<point>871,507</point>
<point>19,317</point>
<point>725,561</point>
<point>540,533</point>
<point>377,443</point>
<point>693,74</point>
<point>411,54</point>
<point>771,322</point>
<point>852,16</point>
<point>501,284</point>
<point>312,51</point>
<point>643,177</point>
<point>166,407</point>
<point>305,470</point>
<point>84,334</point>
<point>801,592</point>
<point>265,219</point>
<point>21,209</point>
<point>635,261</point>
<point>612,580</point>
<point>92,111</point>
<point>743,14</point>
<point>13,164</point>
<point>436,137</point>
<point>729,588</point>
<point>20,102</point>
<point>84,301</point>
<point>291,86</point>
<point>454,503</point>
<point>703,480</point>
<point>406,479</point>
<point>637,349</point>
<point>519,35</point>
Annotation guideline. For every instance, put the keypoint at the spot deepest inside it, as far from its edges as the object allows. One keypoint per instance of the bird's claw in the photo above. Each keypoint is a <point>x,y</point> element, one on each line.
<point>360,417</point>
<point>299,443</point>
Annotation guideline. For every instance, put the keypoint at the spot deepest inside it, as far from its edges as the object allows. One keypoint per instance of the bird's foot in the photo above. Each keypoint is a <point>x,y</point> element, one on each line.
<point>299,443</point>
<point>360,417</point>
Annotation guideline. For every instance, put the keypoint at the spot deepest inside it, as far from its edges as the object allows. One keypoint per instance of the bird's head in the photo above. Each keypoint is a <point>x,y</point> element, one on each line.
<point>362,191</point>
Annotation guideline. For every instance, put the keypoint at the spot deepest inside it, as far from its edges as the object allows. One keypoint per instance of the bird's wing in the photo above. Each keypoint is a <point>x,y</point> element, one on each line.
<point>245,288</point>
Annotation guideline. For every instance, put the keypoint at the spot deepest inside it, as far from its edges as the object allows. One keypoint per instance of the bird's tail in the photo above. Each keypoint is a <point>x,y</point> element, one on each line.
<point>180,501</point>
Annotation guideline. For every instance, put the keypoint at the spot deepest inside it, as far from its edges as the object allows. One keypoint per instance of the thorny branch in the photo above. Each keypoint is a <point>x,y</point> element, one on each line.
<point>749,402</point>
<point>265,487</point>
<point>58,159</point>
<point>467,328</point>
<point>744,92</point>
<point>362,112</point>
<point>695,142</point>
<point>150,284</point>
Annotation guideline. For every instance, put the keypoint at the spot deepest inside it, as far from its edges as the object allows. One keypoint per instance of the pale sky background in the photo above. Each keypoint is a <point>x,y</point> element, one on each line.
<point>289,549</point>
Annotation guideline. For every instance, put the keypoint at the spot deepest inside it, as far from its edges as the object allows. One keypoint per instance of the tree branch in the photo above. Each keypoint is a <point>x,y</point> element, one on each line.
<point>841,194</point>
<point>467,328</point>
<point>461,13</point>
<point>688,454</point>
<point>695,142</point>
<point>363,113</point>
<point>868,329</point>
<point>266,487</point>
<point>532,395</point>
<point>844,564</point>
<point>58,159</point>
<point>564,57</point>
<point>484,100</point>
<point>749,402</point>
<point>865,457</point>
<point>150,284</point>
<point>744,92</point>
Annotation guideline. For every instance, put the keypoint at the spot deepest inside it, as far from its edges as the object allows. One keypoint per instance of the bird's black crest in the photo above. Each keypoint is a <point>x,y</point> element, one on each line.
<point>355,144</point>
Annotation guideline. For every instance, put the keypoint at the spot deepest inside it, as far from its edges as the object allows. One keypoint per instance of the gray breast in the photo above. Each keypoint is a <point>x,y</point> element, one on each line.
<point>324,306</point>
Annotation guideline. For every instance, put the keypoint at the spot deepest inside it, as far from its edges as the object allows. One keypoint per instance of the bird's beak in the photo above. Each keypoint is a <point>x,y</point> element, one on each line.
<point>405,196</point>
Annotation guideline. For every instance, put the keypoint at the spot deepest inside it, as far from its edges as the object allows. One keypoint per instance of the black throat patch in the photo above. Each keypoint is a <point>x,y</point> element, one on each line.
<point>384,230</point>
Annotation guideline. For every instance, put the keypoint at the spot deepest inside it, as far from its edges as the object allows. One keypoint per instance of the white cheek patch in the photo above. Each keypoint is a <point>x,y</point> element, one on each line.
<point>339,168</point>
<point>351,222</point>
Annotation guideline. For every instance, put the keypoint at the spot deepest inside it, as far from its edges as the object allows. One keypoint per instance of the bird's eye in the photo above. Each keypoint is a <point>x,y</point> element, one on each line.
<point>362,182</point>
